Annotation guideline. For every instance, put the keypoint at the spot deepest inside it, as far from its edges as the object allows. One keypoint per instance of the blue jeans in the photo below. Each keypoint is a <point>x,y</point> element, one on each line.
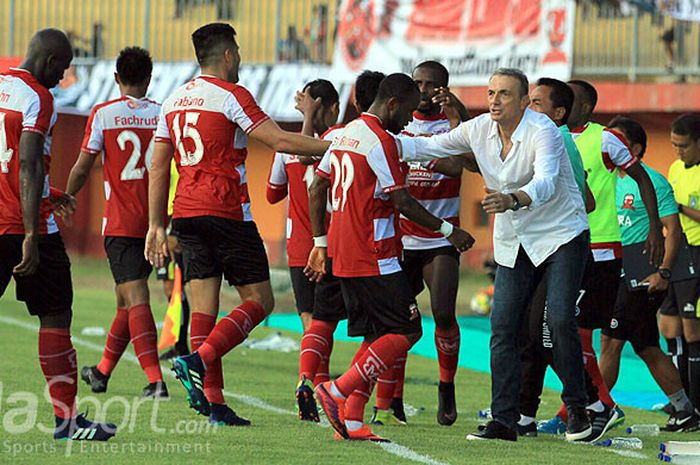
<point>514,288</point>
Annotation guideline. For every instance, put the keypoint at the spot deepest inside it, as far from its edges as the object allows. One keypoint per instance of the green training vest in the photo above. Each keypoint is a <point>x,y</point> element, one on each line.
<point>602,220</point>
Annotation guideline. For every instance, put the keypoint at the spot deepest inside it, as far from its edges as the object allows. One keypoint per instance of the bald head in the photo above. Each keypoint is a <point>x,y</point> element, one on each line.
<point>49,55</point>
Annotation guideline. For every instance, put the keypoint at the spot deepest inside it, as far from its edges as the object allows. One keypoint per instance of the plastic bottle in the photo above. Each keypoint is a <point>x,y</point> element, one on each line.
<point>644,430</point>
<point>485,414</point>
<point>680,459</point>
<point>621,443</point>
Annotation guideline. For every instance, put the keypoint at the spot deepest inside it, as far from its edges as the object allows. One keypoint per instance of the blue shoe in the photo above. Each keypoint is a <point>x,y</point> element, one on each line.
<point>552,426</point>
<point>189,369</point>
<point>620,418</point>
<point>223,415</point>
<point>82,429</point>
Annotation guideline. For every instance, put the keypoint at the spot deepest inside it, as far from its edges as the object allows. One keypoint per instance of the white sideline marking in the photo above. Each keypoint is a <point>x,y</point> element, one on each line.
<point>393,448</point>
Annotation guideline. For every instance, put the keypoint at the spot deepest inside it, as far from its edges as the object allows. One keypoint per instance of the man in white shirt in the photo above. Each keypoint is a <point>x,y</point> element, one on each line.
<point>540,232</point>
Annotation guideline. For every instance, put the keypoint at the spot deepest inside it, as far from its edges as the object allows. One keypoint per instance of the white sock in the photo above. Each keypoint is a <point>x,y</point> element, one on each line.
<point>596,406</point>
<point>336,392</point>
<point>524,421</point>
<point>353,425</point>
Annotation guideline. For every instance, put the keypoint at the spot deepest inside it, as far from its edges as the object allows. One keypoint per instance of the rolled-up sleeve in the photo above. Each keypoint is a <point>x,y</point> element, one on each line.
<point>454,142</point>
<point>549,151</point>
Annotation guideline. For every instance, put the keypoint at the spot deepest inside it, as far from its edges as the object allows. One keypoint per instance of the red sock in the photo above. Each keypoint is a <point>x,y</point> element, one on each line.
<point>201,326</point>
<point>144,338</point>
<point>360,352</point>
<point>117,340</point>
<point>315,348</point>
<point>386,384</point>
<point>400,375</point>
<point>323,372</point>
<point>591,364</point>
<point>447,343</point>
<point>355,405</point>
<point>378,357</point>
<point>58,363</point>
<point>231,330</point>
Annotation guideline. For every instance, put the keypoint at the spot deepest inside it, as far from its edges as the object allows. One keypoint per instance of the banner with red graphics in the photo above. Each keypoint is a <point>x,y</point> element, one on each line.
<point>472,38</point>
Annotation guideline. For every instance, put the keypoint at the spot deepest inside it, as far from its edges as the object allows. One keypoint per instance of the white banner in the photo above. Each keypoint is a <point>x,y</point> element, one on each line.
<point>688,10</point>
<point>470,37</point>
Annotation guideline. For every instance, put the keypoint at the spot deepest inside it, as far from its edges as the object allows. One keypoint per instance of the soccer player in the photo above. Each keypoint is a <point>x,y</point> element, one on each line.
<point>369,190</point>
<point>121,130</point>
<point>292,175</point>
<point>205,124</point>
<point>31,248</point>
<point>428,256</point>
<point>680,312</point>
<point>328,307</point>
<point>634,317</point>
<point>603,154</point>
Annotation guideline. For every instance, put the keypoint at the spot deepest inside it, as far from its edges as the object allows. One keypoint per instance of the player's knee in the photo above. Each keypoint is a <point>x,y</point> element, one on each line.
<point>414,336</point>
<point>61,319</point>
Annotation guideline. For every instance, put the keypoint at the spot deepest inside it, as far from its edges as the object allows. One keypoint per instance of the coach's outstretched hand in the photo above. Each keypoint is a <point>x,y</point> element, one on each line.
<point>461,239</point>
<point>316,265</point>
<point>156,246</point>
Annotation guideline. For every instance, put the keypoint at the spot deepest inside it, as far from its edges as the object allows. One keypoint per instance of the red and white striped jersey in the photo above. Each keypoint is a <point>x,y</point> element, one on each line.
<point>208,121</point>
<point>25,105</point>
<point>122,130</point>
<point>439,194</point>
<point>364,167</point>
<point>288,176</point>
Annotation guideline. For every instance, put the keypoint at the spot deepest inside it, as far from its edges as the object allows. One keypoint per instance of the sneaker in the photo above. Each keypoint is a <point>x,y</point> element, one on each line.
<point>397,408</point>
<point>601,423</point>
<point>529,431</point>
<point>578,427</point>
<point>189,369</point>
<point>157,390</point>
<point>93,377</point>
<point>223,415</point>
<point>447,407</point>
<point>668,409</point>
<point>306,402</point>
<point>552,426</point>
<point>493,430</point>
<point>82,429</point>
<point>682,422</point>
<point>364,434</point>
<point>620,418</point>
<point>333,406</point>
<point>386,418</point>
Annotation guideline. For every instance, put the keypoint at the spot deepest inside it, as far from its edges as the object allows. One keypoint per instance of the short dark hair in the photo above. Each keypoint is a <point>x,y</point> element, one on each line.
<point>134,65</point>
<point>366,87</point>
<point>444,75</point>
<point>589,92</point>
<point>634,131</point>
<point>323,89</point>
<point>398,85</point>
<point>524,84</point>
<point>211,40</point>
<point>561,95</point>
<point>687,124</point>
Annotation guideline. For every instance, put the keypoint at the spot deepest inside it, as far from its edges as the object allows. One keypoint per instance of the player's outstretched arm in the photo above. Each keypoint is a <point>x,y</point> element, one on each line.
<point>270,134</point>
<point>158,181</point>
<point>318,193</point>
<point>414,211</point>
<point>80,172</point>
<point>31,180</point>
<point>655,239</point>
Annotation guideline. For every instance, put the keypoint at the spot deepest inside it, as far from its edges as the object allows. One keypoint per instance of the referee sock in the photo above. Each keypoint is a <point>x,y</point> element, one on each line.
<point>144,338</point>
<point>202,324</point>
<point>58,363</point>
<point>231,331</point>
<point>678,351</point>
<point>447,342</point>
<point>117,340</point>
<point>694,372</point>
<point>315,346</point>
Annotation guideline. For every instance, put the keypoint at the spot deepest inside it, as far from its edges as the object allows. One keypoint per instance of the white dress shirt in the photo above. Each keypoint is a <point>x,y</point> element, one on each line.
<point>537,164</point>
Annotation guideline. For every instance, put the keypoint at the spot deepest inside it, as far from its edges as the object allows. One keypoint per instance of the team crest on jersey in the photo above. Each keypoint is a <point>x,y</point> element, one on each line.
<point>413,309</point>
<point>190,85</point>
<point>613,323</point>
<point>135,104</point>
<point>628,202</point>
<point>693,201</point>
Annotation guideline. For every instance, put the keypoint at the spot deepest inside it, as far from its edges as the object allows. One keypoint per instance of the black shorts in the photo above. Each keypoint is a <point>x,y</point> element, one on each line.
<point>212,246</point>
<point>303,290</point>
<point>415,260</point>
<point>378,305</point>
<point>50,289</point>
<point>634,317</point>
<point>126,259</point>
<point>684,296</point>
<point>598,293</point>
<point>328,298</point>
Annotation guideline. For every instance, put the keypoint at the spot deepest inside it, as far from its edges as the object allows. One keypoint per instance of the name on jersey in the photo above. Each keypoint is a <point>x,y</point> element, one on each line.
<point>624,220</point>
<point>346,142</point>
<point>4,97</point>
<point>189,102</point>
<point>135,121</point>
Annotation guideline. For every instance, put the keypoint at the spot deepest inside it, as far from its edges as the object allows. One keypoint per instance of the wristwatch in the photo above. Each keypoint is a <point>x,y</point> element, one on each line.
<point>516,203</point>
<point>665,273</point>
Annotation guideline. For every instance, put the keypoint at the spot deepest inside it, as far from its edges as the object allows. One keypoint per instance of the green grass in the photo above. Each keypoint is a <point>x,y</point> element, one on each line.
<point>172,433</point>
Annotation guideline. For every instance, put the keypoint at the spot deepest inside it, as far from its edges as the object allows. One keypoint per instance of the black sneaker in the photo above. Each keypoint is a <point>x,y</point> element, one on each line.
<point>447,407</point>
<point>601,422</point>
<point>82,429</point>
<point>308,411</point>
<point>529,431</point>
<point>668,409</point>
<point>223,415</point>
<point>189,369</point>
<point>578,427</point>
<point>93,377</point>
<point>493,430</point>
<point>157,390</point>
<point>682,422</point>
<point>397,407</point>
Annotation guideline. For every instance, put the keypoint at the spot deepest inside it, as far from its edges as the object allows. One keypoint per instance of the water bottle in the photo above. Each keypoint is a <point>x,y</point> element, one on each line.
<point>644,430</point>
<point>621,443</point>
<point>679,459</point>
<point>485,414</point>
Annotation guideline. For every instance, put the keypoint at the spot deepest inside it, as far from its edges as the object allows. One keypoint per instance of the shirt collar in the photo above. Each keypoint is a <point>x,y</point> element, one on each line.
<point>579,129</point>
<point>519,133</point>
<point>372,116</point>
